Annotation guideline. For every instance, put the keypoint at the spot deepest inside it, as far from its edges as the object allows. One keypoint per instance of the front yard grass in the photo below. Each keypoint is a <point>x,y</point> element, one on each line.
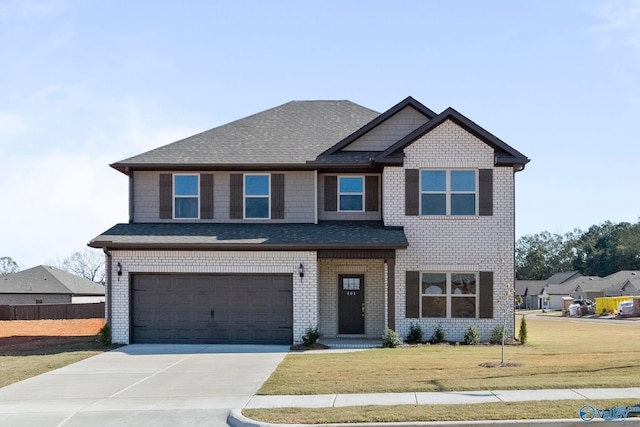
<point>561,353</point>
<point>19,365</point>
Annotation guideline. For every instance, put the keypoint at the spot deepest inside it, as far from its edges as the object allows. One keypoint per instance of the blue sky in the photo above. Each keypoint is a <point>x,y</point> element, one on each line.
<point>87,83</point>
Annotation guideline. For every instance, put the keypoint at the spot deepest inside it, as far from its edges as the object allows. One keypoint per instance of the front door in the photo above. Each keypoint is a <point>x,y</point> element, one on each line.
<point>351,307</point>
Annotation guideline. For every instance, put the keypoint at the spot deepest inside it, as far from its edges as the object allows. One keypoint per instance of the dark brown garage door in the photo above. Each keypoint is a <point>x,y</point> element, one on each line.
<point>223,309</point>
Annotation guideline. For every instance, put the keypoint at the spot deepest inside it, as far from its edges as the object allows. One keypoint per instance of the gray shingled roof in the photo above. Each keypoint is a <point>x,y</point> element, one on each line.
<point>532,287</point>
<point>324,235</point>
<point>47,280</point>
<point>292,133</point>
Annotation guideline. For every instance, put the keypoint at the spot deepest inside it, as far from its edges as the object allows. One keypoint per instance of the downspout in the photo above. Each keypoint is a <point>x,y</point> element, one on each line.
<point>108,286</point>
<point>315,195</point>
<point>131,210</point>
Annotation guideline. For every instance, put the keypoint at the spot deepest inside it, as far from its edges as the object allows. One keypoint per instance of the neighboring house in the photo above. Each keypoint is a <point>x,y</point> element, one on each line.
<point>622,283</point>
<point>529,290</point>
<point>315,213</point>
<point>48,285</point>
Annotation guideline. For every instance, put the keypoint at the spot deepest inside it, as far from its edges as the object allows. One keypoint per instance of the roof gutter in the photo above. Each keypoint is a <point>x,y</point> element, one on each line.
<point>109,245</point>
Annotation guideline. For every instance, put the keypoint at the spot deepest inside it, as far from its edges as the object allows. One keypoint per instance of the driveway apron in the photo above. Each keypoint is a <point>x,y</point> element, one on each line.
<point>139,385</point>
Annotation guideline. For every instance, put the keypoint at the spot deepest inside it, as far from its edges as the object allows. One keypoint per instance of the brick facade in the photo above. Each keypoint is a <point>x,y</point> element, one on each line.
<point>453,244</point>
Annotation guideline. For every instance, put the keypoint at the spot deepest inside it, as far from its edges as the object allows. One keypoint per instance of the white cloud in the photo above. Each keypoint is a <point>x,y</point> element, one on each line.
<point>621,22</point>
<point>12,124</point>
<point>55,201</point>
<point>53,205</point>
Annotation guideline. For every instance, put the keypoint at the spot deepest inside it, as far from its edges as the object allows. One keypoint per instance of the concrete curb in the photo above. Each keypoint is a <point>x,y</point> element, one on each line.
<point>236,419</point>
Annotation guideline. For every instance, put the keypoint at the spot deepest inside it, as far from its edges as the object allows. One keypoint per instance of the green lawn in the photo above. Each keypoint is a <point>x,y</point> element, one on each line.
<point>561,354</point>
<point>19,365</point>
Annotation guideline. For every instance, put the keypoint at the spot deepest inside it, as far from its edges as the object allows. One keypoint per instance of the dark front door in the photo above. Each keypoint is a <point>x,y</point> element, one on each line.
<point>351,307</point>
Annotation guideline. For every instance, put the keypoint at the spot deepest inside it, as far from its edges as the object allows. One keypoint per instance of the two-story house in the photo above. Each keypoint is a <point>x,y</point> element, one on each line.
<point>315,213</point>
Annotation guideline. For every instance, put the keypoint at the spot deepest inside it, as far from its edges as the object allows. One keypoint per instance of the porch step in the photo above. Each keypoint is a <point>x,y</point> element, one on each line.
<point>351,343</point>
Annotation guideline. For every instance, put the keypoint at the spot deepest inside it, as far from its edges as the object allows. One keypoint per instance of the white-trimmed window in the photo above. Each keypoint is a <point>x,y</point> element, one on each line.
<point>186,196</point>
<point>449,295</point>
<point>448,192</point>
<point>351,194</point>
<point>257,201</point>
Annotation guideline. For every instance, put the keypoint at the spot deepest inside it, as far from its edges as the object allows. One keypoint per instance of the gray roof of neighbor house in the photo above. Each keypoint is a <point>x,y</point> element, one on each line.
<point>532,287</point>
<point>324,235</point>
<point>562,277</point>
<point>292,133</point>
<point>47,280</point>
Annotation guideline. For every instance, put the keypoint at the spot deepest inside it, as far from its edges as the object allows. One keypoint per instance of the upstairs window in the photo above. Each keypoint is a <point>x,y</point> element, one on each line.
<point>447,192</point>
<point>351,193</point>
<point>256,196</point>
<point>186,196</point>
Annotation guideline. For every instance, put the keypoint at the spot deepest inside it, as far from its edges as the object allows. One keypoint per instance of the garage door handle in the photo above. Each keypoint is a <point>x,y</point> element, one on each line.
<point>213,314</point>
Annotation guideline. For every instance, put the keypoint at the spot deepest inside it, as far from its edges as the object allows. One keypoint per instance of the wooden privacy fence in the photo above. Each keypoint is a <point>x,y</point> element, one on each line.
<point>52,311</point>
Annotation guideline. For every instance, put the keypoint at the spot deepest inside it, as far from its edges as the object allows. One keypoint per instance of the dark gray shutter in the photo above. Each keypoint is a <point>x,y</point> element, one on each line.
<point>412,192</point>
<point>485,202</point>
<point>330,193</point>
<point>206,196</point>
<point>166,196</point>
<point>236,196</point>
<point>277,196</point>
<point>412,297</point>
<point>486,294</point>
<point>371,193</point>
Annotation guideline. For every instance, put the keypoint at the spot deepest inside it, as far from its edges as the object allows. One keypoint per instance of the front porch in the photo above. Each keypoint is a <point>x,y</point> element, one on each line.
<point>355,291</point>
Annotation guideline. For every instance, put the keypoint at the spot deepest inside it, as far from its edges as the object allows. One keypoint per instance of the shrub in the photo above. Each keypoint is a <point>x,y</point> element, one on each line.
<point>415,334</point>
<point>104,335</point>
<point>311,336</point>
<point>439,335</point>
<point>391,339</point>
<point>523,331</point>
<point>472,336</point>
<point>496,335</point>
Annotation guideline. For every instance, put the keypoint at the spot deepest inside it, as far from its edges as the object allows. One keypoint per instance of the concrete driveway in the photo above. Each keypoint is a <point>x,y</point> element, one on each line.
<point>139,385</point>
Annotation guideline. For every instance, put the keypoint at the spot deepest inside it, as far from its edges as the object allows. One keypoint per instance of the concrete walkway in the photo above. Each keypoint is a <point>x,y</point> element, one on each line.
<point>236,419</point>
<point>436,398</point>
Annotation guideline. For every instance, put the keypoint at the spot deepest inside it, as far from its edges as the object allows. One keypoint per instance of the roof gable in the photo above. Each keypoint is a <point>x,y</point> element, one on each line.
<point>505,155</point>
<point>408,102</point>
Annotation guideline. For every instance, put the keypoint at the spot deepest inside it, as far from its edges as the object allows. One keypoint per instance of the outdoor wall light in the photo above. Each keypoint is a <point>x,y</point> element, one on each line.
<point>119,269</point>
<point>301,270</point>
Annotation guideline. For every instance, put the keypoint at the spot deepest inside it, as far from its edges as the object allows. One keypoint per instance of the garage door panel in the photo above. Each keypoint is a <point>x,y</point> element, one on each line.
<point>185,308</point>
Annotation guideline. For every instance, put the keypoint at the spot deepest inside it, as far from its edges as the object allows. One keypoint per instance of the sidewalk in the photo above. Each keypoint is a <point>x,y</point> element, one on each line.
<point>437,398</point>
<point>236,419</point>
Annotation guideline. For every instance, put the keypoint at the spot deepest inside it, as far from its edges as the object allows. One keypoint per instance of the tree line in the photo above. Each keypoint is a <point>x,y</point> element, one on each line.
<point>601,250</point>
